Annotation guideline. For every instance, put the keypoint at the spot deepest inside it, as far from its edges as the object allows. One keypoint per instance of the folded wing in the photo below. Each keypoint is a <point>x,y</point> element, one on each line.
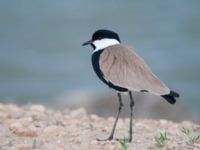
<point>121,66</point>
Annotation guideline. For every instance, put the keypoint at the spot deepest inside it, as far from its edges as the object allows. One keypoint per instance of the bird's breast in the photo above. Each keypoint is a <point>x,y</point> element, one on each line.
<point>96,66</point>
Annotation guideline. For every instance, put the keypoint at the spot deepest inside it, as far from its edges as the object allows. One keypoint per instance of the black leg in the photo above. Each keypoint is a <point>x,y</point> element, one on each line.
<point>115,123</point>
<point>131,116</point>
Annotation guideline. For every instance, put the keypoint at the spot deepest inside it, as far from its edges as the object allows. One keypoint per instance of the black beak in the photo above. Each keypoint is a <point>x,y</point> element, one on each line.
<point>86,43</point>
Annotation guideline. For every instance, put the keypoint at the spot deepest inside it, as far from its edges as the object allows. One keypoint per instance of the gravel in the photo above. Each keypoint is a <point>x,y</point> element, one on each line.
<point>40,128</point>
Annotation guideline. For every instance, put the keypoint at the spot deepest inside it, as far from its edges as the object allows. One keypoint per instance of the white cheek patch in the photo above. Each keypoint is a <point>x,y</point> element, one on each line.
<point>103,43</point>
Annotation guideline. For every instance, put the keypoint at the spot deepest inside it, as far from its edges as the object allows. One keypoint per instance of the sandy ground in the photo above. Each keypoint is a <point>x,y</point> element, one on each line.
<point>36,127</point>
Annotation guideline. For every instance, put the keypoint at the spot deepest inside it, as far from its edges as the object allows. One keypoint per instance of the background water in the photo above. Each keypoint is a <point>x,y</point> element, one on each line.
<point>41,57</point>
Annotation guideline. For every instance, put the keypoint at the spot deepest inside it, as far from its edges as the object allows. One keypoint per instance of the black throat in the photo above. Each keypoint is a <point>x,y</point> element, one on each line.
<point>96,67</point>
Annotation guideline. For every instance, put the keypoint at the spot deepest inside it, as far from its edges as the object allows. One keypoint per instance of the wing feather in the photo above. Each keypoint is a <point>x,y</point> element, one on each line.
<point>123,67</point>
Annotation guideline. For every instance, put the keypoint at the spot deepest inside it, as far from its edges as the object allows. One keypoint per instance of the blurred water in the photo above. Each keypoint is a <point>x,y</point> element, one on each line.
<point>41,57</point>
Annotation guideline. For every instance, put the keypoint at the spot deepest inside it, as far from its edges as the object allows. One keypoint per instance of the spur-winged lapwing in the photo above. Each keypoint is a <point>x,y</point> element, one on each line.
<point>122,69</point>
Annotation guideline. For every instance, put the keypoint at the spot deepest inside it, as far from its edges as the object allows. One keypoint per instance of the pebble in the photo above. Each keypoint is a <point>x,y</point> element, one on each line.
<point>53,130</point>
<point>79,113</point>
<point>37,108</point>
<point>20,130</point>
<point>94,117</point>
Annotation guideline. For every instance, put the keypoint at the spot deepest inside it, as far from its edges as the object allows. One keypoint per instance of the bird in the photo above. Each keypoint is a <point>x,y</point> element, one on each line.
<point>123,70</point>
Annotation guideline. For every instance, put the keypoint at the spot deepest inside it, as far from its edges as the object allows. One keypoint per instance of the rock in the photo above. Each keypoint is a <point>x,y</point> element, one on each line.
<point>94,117</point>
<point>23,127</point>
<point>79,113</point>
<point>53,130</point>
<point>37,108</point>
<point>36,112</point>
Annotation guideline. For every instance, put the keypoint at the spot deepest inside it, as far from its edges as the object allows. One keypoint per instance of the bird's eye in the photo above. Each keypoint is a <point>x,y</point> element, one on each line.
<point>99,38</point>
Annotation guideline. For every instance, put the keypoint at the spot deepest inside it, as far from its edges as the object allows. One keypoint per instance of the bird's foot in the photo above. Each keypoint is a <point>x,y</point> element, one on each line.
<point>111,138</point>
<point>124,139</point>
<point>105,138</point>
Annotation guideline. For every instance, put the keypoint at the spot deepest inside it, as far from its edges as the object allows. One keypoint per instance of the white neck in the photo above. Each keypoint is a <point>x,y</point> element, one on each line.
<point>103,43</point>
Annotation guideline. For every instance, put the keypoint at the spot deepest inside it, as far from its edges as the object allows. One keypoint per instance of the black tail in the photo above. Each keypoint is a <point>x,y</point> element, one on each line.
<point>171,97</point>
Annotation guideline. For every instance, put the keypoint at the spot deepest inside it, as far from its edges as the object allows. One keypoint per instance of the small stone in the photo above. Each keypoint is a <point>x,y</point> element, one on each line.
<point>23,127</point>
<point>111,119</point>
<point>53,130</point>
<point>111,147</point>
<point>79,113</point>
<point>163,121</point>
<point>94,117</point>
<point>38,108</point>
<point>27,133</point>
<point>2,108</point>
<point>13,111</point>
<point>94,142</point>
<point>187,124</point>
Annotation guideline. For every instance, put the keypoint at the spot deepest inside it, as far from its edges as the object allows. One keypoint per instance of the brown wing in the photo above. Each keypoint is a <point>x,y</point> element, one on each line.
<point>123,67</point>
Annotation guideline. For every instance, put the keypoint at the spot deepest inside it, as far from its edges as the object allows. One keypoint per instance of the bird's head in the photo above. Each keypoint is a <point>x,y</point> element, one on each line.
<point>102,39</point>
